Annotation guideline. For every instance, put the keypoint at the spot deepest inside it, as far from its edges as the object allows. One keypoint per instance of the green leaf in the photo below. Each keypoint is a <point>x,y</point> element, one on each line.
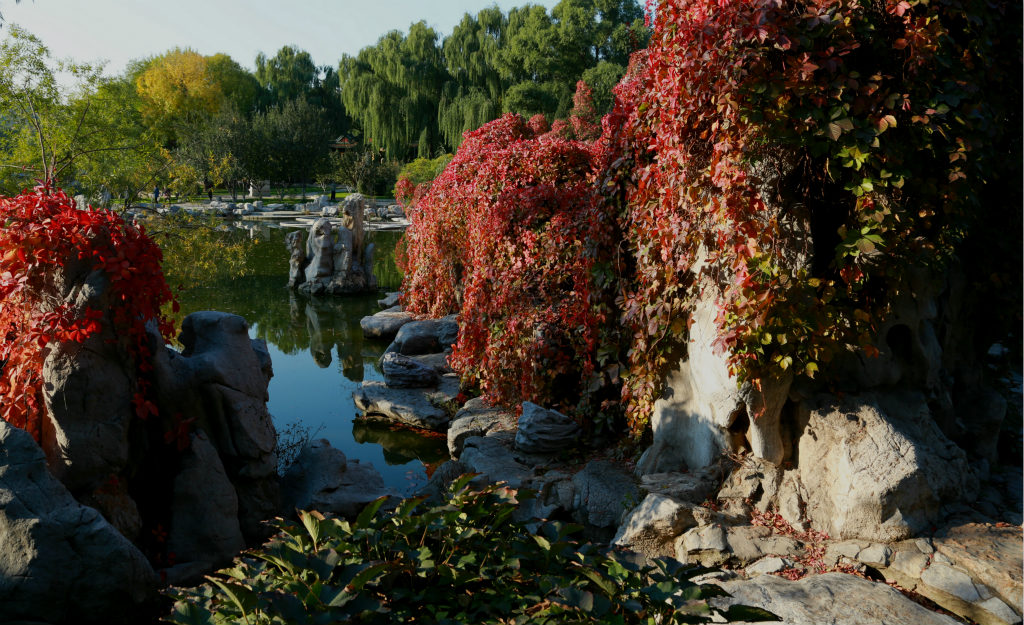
<point>364,518</point>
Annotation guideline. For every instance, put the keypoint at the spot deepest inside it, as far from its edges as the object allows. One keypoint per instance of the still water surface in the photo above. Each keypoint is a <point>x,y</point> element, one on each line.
<point>319,353</point>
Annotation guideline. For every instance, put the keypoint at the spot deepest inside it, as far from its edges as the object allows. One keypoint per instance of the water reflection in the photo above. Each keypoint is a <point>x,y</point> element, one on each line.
<point>319,353</point>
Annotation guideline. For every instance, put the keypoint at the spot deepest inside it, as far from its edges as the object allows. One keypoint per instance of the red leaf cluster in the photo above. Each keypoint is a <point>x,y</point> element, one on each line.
<point>48,248</point>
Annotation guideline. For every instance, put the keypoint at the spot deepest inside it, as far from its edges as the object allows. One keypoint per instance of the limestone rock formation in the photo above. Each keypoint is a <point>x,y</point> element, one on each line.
<point>323,479</point>
<point>877,467</point>
<point>60,562</point>
<point>333,263</point>
<point>542,431</point>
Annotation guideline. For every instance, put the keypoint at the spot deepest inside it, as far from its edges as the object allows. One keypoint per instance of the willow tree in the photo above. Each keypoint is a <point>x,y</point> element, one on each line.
<point>287,75</point>
<point>474,94</point>
<point>393,90</point>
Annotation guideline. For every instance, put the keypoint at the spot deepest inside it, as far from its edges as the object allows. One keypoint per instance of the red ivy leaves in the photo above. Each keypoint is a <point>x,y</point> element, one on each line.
<point>44,237</point>
<point>879,106</point>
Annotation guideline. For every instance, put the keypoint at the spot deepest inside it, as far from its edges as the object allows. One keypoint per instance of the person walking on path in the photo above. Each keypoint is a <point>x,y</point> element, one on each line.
<point>156,195</point>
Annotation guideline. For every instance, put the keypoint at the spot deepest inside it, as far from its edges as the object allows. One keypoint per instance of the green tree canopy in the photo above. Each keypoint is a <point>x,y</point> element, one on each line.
<point>393,90</point>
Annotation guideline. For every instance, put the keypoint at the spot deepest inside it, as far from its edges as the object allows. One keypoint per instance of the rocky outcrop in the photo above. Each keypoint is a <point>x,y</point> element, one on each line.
<point>220,380</point>
<point>384,325</point>
<point>603,494</point>
<point>404,372</point>
<point>830,599</point>
<point>492,458</point>
<point>60,561</point>
<point>204,508</point>
<point>652,527</point>
<point>877,467</point>
<point>426,336</point>
<point>973,570</point>
<point>703,411</point>
<point>542,431</point>
<point>476,418</point>
<point>322,479</point>
<point>421,408</point>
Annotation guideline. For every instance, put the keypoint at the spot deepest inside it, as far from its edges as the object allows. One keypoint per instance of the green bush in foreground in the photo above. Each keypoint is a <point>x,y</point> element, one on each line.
<point>466,561</point>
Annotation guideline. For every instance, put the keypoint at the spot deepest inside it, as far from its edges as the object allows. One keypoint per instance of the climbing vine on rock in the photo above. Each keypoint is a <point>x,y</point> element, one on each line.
<point>788,163</point>
<point>47,246</point>
<point>513,236</point>
<point>753,132</point>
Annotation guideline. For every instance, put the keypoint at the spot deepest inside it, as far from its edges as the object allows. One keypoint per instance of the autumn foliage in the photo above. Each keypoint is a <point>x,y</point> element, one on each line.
<point>871,137</point>
<point>512,234</point>
<point>48,250</point>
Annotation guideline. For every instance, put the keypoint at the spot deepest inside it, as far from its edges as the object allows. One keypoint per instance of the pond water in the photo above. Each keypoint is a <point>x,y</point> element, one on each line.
<point>319,353</point>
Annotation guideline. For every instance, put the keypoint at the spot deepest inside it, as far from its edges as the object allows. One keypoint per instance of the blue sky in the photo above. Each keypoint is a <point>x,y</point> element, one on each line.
<point>121,30</point>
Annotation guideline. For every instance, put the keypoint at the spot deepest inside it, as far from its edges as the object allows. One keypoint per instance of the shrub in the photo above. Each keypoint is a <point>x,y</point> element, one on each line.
<point>465,561</point>
<point>513,236</point>
<point>49,247</point>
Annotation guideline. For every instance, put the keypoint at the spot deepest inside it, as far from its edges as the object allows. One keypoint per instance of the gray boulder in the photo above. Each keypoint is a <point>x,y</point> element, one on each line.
<point>426,336</point>
<point>204,508</point>
<point>322,479</point>
<point>651,528</point>
<point>476,418</point>
<point>221,379</point>
<point>491,457</point>
<point>714,544</point>
<point>421,408</point>
<point>384,325</point>
<point>877,467</point>
<point>390,299</point>
<point>60,561</point>
<point>829,599</point>
<point>544,431</point>
<point>404,372</point>
<point>603,494</point>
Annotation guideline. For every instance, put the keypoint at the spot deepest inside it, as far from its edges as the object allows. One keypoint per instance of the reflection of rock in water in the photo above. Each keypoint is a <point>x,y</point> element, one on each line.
<point>331,324</point>
<point>320,350</point>
<point>401,445</point>
<point>351,365</point>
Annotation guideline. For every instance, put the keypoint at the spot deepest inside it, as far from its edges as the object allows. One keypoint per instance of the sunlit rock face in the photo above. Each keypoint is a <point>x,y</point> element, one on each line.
<point>334,259</point>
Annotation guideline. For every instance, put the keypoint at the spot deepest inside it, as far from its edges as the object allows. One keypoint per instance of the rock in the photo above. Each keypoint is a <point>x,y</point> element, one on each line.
<point>693,487</point>
<point>438,362</point>
<point>88,396</point>
<point>702,411</point>
<point>436,488</point>
<point>422,408</point>
<point>829,599</point>
<point>476,418</point>
<point>543,431</point>
<point>220,379</point>
<point>491,457</point>
<point>404,372</point>
<point>603,495</point>
<point>989,553</point>
<point>426,336</point>
<point>766,566</point>
<point>652,527</point>
<point>322,479</point>
<point>714,544</point>
<point>60,561</point>
<point>390,299</point>
<point>384,325</point>
<point>204,508</point>
<point>973,570</point>
<point>877,467</point>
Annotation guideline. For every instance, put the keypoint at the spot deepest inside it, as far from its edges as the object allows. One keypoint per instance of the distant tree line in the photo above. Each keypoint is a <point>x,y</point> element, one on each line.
<point>192,123</point>
<point>415,94</point>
